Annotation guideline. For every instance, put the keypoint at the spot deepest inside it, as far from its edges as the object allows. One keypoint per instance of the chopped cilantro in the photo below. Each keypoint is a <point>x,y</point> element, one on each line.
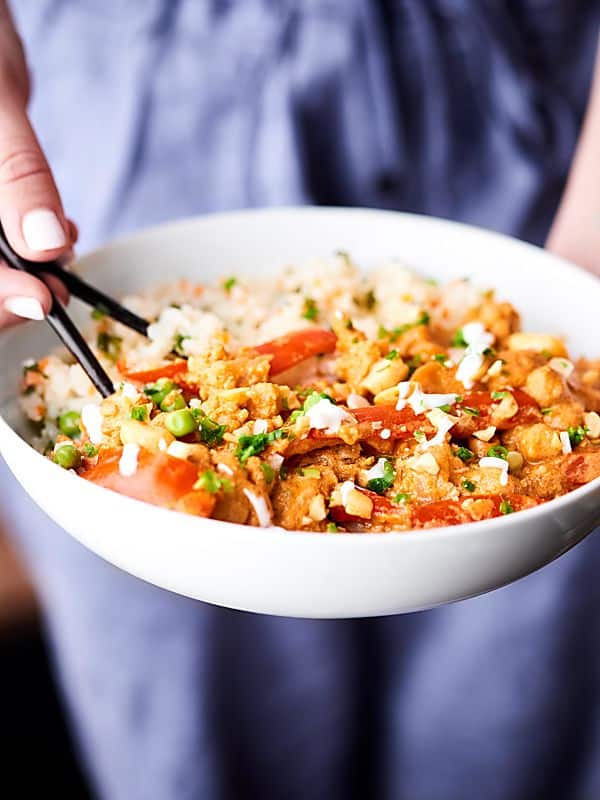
<point>311,311</point>
<point>505,507</point>
<point>140,413</point>
<point>468,486</point>
<point>465,454</point>
<point>576,434</point>
<point>381,485</point>
<point>498,451</point>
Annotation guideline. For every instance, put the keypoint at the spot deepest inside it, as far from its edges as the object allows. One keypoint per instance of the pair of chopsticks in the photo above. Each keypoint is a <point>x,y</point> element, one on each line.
<point>61,322</point>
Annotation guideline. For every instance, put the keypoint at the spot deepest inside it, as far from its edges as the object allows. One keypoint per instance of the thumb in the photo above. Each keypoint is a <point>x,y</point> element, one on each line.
<point>30,208</point>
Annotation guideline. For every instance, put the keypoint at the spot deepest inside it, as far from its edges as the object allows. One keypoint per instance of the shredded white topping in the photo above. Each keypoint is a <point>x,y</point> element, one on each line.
<point>345,490</point>
<point>418,400</point>
<point>491,462</point>
<point>224,469</point>
<point>91,418</point>
<point>128,463</point>
<point>563,366</point>
<point>130,392</point>
<point>566,443</point>
<point>443,423</point>
<point>326,416</point>
<point>259,504</point>
<point>162,445</point>
<point>376,471</point>
<point>478,341</point>
<point>275,461</point>
<point>178,450</point>
<point>385,433</point>
<point>356,401</point>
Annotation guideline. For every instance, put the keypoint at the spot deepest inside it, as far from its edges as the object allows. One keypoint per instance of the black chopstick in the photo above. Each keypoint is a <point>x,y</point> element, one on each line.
<point>61,323</point>
<point>88,294</point>
<point>67,332</point>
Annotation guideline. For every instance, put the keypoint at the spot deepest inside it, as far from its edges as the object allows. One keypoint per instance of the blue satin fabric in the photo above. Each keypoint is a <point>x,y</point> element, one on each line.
<point>470,110</point>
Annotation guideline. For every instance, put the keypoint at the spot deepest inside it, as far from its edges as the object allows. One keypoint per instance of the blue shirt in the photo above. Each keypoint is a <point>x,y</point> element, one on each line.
<point>469,110</point>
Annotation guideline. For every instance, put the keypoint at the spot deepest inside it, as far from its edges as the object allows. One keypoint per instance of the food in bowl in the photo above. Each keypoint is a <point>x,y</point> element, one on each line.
<point>325,400</point>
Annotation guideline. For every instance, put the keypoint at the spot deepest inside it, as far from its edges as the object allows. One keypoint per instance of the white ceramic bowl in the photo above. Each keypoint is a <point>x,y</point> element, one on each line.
<point>307,574</point>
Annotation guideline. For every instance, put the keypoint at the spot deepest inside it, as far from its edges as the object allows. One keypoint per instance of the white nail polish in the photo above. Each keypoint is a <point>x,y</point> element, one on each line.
<point>26,307</point>
<point>42,230</point>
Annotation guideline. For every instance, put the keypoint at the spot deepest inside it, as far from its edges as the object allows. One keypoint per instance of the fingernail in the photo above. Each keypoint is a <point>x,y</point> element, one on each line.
<point>26,307</point>
<point>42,230</point>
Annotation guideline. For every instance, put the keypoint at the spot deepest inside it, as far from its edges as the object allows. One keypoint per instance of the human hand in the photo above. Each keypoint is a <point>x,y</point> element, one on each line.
<point>30,207</point>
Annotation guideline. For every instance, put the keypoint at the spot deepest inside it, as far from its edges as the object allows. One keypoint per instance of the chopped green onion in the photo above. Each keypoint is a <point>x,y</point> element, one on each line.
<point>458,340</point>
<point>211,432</point>
<point>253,445</point>
<point>229,284</point>
<point>381,485</point>
<point>210,482</point>
<point>468,486</point>
<point>311,311</point>
<point>499,395</point>
<point>576,434</point>
<point>90,450</point>
<point>473,412</point>
<point>441,358</point>
<point>505,507</point>
<point>178,344</point>
<point>159,390</point>
<point>465,454</point>
<point>401,497</point>
<point>110,345</point>
<point>140,413</point>
<point>546,411</point>
<point>393,354</point>
<point>498,451</point>
<point>310,472</point>
<point>268,472</point>
<point>332,527</point>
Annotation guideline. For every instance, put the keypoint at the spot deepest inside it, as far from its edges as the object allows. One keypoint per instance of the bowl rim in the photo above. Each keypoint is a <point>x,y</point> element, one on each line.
<point>408,536</point>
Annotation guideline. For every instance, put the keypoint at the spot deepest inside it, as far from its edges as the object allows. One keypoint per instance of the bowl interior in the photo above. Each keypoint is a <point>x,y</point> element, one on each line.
<point>543,288</point>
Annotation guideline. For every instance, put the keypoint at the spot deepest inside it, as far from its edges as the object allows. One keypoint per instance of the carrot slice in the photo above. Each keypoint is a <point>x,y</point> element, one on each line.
<point>167,370</point>
<point>289,350</point>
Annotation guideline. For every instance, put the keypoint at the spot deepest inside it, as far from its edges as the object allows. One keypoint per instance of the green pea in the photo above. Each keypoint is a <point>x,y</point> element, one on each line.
<point>180,422</point>
<point>172,402</point>
<point>69,423</point>
<point>67,456</point>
